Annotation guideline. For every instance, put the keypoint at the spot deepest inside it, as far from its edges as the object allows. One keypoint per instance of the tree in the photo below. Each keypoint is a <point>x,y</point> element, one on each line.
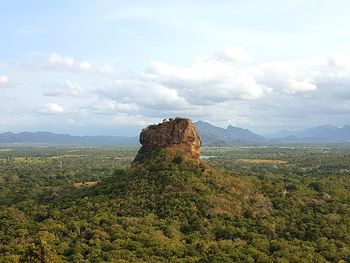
<point>39,252</point>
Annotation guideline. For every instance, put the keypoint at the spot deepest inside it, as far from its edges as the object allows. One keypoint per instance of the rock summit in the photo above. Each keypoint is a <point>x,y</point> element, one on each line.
<point>177,138</point>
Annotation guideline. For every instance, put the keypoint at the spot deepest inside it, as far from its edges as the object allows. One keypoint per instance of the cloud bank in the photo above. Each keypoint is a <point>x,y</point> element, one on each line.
<point>226,87</point>
<point>58,62</point>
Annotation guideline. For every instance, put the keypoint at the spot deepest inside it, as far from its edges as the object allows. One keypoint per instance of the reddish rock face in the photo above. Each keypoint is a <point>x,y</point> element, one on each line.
<point>178,137</point>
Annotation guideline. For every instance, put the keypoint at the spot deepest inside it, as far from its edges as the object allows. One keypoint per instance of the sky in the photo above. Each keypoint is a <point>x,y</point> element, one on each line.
<point>111,67</point>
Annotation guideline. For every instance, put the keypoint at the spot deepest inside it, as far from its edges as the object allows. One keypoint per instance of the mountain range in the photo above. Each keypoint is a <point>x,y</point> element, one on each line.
<point>216,136</point>
<point>321,134</point>
<point>210,135</point>
<point>48,138</point>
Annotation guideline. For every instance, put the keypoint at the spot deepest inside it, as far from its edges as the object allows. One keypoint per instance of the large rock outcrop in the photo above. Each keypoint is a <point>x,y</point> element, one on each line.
<point>177,138</point>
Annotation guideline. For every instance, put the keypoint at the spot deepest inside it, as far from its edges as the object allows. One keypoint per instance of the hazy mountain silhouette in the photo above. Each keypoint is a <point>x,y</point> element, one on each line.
<point>210,135</point>
<point>64,139</point>
<point>321,134</point>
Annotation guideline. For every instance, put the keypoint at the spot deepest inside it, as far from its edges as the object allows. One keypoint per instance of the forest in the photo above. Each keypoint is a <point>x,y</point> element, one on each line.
<point>241,204</point>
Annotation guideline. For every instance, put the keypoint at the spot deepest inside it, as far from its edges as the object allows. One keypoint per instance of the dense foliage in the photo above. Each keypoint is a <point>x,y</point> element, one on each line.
<point>244,204</point>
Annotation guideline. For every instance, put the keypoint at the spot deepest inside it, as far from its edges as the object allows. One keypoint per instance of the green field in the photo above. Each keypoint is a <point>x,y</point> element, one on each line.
<point>244,204</point>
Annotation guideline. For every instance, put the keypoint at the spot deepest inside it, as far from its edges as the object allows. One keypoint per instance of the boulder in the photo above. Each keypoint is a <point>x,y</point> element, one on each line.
<point>177,138</point>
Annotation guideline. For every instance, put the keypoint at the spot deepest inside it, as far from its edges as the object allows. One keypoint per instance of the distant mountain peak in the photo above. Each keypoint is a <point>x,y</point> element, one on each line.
<point>231,127</point>
<point>7,134</point>
<point>212,135</point>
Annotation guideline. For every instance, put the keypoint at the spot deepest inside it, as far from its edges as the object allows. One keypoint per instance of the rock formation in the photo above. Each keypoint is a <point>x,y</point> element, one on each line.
<point>177,138</point>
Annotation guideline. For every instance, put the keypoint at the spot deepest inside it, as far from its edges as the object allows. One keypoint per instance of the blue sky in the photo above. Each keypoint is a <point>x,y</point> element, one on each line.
<point>112,67</point>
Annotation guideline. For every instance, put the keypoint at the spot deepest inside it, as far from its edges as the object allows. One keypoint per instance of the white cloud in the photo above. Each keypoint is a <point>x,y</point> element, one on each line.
<point>56,59</point>
<point>207,81</point>
<point>110,107</point>
<point>85,66</point>
<point>133,120</point>
<point>57,62</point>
<point>213,88</point>
<point>237,54</point>
<point>217,90</point>
<point>51,108</point>
<point>107,70</point>
<point>73,88</point>
<point>64,63</point>
<point>143,92</point>
<point>122,107</point>
<point>4,80</point>
<point>68,89</point>
<point>300,86</point>
<point>318,76</point>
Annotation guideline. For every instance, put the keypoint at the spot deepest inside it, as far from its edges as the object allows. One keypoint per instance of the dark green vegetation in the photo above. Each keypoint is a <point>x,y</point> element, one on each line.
<point>250,204</point>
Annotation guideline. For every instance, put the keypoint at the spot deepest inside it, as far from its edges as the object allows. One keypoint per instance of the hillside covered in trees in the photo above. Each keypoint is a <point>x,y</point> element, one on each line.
<point>243,204</point>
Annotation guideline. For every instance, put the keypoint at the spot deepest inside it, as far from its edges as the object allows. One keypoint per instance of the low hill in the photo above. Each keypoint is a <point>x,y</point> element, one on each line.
<point>162,211</point>
<point>170,190</point>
